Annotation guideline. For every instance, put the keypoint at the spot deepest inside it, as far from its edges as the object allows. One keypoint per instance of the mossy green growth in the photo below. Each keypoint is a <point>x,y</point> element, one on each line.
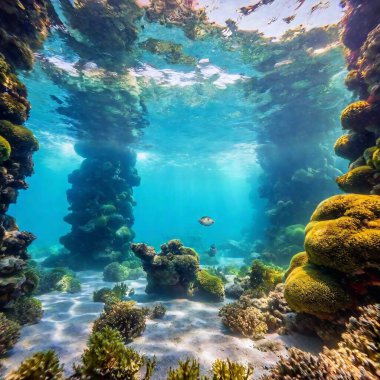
<point>310,290</point>
<point>42,365</point>
<point>209,286</point>
<point>123,316</point>
<point>264,277</point>
<point>27,310</point>
<point>115,272</point>
<point>107,358</point>
<point>5,149</point>
<point>297,260</point>
<point>9,333</point>
<point>118,292</point>
<point>69,284</point>
<point>20,138</point>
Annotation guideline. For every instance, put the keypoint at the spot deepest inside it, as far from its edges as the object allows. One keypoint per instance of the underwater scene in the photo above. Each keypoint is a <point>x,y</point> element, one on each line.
<point>190,189</point>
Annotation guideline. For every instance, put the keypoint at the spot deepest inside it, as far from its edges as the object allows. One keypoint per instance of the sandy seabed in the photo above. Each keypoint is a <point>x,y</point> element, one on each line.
<point>189,329</point>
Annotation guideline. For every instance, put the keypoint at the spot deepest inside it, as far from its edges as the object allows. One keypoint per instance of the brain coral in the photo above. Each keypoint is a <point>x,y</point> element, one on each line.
<point>344,233</point>
<point>311,290</point>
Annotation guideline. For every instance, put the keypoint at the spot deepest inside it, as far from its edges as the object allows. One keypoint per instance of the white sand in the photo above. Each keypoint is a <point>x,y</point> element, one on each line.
<point>189,329</point>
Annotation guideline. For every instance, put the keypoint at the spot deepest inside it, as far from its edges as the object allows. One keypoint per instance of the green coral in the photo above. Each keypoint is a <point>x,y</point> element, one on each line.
<point>10,334</point>
<point>311,290</point>
<point>264,278</point>
<point>107,358</point>
<point>5,149</point>
<point>20,138</point>
<point>115,272</point>
<point>41,365</point>
<point>123,316</point>
<point>27,310</point>
<point>69,284</point>
<point>209,286</point>
<point>117,293</point>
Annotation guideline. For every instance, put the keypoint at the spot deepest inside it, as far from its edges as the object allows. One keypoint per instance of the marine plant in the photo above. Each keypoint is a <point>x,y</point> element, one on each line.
<point>209,286</point>
<point>106,357</point>
<point>229,370</point>
<point>123,316</point>
<point>264,278</point>
<point>188,369</point>
<point>221,370</point>
<point>158,311</point>
<point>10,333</point>
<point>118,292</point>
<point>115,272</point>
<point>42,365</point>
<point>27,310</point>
<point>68,284</point>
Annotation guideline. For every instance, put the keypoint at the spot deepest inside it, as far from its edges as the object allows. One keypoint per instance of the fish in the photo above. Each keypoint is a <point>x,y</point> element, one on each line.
<point>56,99</point>
<point>206,221</point>
<point>212,251</point>
<point>284,63</point>
<point>300,3</point>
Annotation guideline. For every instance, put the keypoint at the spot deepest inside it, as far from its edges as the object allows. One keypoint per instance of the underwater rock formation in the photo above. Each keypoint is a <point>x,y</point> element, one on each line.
<point>23,29</point>
<point>340,268</point>
<point>361,35</point>
<point>176,271</point>
<point>101,196</point>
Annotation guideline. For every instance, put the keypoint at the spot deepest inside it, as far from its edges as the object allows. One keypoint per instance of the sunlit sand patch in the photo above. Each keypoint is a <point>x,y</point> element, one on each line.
<point>189,329</point>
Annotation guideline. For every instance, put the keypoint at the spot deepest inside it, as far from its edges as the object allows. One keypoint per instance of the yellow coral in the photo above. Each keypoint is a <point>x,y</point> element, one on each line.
<point>344,234</point>
<point>310,290</point>
<point>358,180</point>
<point>297,260</point>
<point>357,116</point>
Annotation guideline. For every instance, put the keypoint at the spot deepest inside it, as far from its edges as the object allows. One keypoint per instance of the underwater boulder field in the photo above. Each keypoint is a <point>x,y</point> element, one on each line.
<point>189,190</point>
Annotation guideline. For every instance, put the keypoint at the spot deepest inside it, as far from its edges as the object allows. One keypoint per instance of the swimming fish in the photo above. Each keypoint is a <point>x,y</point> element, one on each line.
<point>212,251</point>
<point>289,19</point>
<point>206,221</point>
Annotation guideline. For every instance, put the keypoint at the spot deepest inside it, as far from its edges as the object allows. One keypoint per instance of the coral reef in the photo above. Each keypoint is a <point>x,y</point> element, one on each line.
<point>248,321</point>
<point>41,365</point>
<point>106,357</point>
<point>176,271</point>
<point>10,333</point>
<point>27,310</point>
<point>107,295</point>
<point>123,316</point>
<point>221,370</point>
<point>356,357</point>
<point>115,272</point>
<point>23,29</point>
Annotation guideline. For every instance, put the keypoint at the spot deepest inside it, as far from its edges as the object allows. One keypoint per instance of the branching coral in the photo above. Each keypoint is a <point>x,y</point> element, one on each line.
<point>357,355</point>
<point>107,358</point>
<point>247,321</point>
<point>123,316</point>
<point>41,365</point>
